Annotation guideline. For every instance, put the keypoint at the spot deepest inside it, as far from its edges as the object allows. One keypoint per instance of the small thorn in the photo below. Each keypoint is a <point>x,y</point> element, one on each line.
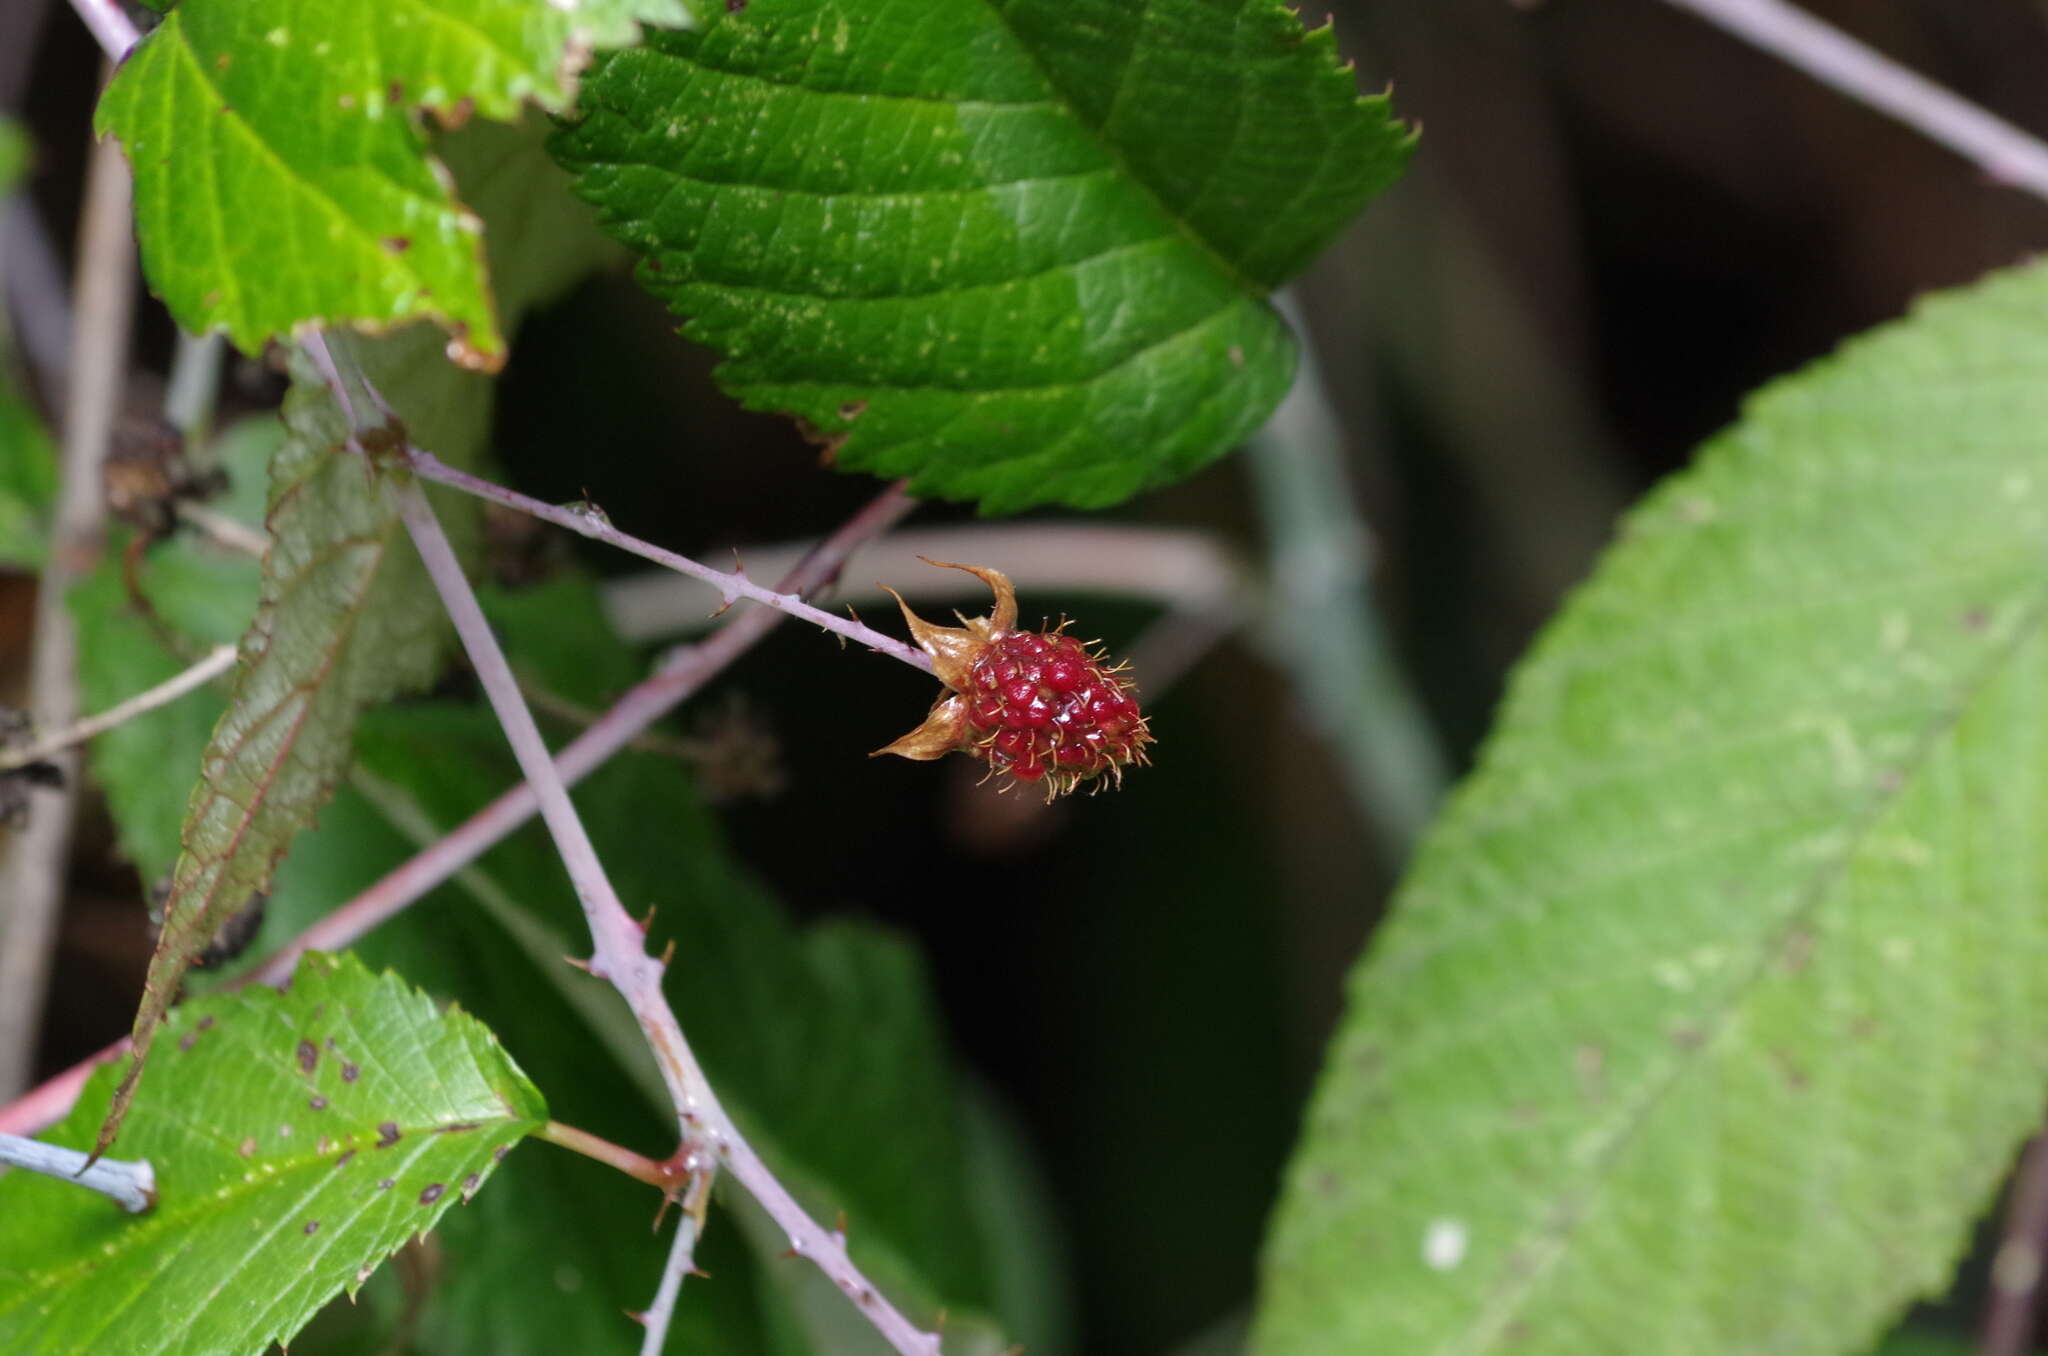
<point>647,921</point>
<point>668,953</point>
<point>587,967</point>
<point>637,1316</point>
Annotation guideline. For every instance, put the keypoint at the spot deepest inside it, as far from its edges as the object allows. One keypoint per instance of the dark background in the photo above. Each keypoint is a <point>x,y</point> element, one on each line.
<point>1619,221</point>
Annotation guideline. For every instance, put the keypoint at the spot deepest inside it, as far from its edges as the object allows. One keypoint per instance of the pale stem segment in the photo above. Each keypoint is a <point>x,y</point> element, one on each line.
<point>219,661</point>
<point>2005,152</point>
<point>32,879</point>
<point>133,1185</point>
<point>731,586</point>
<point>682,1260</point>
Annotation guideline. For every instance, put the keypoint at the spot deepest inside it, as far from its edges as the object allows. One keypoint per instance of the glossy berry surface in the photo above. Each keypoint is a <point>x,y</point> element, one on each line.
<point>1040,705</point>
<point>1036,706</point>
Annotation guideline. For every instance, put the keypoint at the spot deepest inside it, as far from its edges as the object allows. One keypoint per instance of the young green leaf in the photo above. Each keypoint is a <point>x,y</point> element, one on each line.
<point>297,1139</point>
<point>346,618</point>
<point>1716,994</point>
<point>281,176</point>
<point>1014,249</point>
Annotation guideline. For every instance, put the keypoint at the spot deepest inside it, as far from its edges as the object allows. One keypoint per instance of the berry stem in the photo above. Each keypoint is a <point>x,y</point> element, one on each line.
<point>710,1139</point>
<point>731,586</point>
<point>664,1176</point>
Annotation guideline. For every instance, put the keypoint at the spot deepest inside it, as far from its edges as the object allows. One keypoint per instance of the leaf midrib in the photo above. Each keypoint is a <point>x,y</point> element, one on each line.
<point>1252,288</point>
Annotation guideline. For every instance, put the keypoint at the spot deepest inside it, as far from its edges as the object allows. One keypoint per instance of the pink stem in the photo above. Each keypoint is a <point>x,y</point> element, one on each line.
<point>685,670</point>
<point>731,587</point>
<point>620,955</point>
<point>110,26</point>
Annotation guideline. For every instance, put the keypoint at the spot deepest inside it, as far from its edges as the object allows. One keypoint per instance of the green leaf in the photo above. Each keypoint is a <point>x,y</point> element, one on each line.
<point>1717,993</point>
<point>346,618</point>
<point>281,177</point>
<point>1016,250</point>
<point>16,151</point>
<point>28,483</point>
<point>298,1138</point>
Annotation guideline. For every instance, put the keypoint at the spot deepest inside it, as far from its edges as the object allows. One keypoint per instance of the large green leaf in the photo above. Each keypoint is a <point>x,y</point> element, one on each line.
<point>298,1138</point>
<point>1715,1005</point>
<point>281,177</point>
<point>1014,249</point>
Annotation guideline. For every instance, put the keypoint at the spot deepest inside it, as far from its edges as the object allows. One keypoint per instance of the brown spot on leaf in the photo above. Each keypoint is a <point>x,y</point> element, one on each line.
<point>318,1103</point>
<point>396,244</point>
<point>433,1193</point>
<point>498,1154</point>
<point>349,1073</point>
<point>188,1040</point>
<point>1687,1036</point>
<point>470,1184</point>
<point>342,1161</point>
<point>853,409</point>
<point>206,1023</point>
<point>220,63</point>
<point>1794,1075</point>
<point>458,1127</point>
<point>309,1056</point>
<point>735,6</point>
<point>312,1226</point>
<point>386,1184</point>
<point>1976,619</point>
<point>1236,355</point>
<point>387,1134</point>
<point>1797,950</point>
<point>247,1147</point>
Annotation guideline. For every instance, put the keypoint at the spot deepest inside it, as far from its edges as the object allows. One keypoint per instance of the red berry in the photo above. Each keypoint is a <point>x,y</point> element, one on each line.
<point>1035,705</point>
